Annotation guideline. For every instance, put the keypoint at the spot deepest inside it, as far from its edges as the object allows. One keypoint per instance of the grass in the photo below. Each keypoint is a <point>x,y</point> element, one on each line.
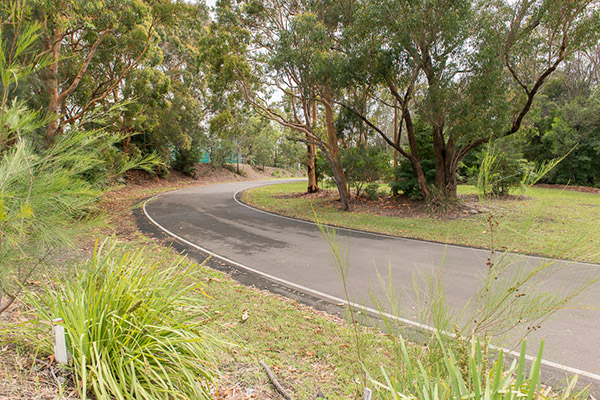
<point>547,222</point>
<point>128,318</point>
<point>310,351</point>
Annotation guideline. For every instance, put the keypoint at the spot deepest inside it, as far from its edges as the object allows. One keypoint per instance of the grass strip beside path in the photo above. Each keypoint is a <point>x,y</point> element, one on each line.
<point>312,353</point>
<point>548,222</point>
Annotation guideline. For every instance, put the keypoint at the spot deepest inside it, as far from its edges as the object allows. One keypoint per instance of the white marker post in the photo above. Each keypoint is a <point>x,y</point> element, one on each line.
<point>367,394</point>
<point>61,353</point>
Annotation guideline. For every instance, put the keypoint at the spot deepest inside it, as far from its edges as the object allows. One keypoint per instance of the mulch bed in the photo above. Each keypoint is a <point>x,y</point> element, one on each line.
<point>401,206</point>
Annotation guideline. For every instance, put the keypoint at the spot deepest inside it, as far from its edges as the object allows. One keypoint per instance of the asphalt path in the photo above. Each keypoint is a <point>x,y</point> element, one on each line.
<point>294,254</point>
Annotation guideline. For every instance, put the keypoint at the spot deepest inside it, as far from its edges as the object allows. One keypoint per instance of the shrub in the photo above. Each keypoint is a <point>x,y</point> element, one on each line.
<point>502,172</point>
<point>185,160</point>
<point>220,153</point>
<point>364,165</point>
<point>127,318</point>
<point>405,181</point>
<point>322,168</point>
<point>372,191</point>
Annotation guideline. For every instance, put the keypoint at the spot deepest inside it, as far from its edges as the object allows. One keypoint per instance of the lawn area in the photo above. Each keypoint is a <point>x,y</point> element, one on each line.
<point>549,222</point>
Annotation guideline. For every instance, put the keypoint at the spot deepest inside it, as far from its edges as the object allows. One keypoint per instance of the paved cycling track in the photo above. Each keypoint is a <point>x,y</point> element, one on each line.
<point>293,254</point>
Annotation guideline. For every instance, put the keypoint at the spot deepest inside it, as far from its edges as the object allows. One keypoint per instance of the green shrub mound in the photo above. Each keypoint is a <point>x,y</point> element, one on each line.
<point>133,331</point>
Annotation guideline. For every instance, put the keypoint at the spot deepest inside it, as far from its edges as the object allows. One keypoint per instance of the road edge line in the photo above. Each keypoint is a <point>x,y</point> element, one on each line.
<point>338,300</point>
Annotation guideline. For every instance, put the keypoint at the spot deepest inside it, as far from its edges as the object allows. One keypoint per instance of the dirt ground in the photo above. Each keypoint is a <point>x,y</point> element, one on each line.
<point>401,206</point>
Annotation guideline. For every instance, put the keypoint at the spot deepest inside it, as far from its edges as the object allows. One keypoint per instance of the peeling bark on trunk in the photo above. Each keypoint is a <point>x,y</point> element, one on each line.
<point>311,151</point>
<point>332,144</point>
<point>53,48</point>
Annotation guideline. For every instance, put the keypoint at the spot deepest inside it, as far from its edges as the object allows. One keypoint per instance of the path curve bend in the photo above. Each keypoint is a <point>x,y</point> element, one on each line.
<point>293,253</point>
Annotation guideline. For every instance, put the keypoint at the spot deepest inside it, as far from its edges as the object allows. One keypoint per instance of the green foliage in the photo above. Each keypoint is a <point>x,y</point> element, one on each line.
<point>220,152</point>
<point>322,168</point>
<point>372,191</point>
<point>469,71</point>
<point>169,93</point>
<point>364,165</point>
<point>405,181</point>
<point>566,123</point>
<point>46,197</point>
<point>185,160</point>
<point>47,194</point>
<point>127,320</point>
<point>503,169</point>
<point>289,153</point>
<point>473,380</point>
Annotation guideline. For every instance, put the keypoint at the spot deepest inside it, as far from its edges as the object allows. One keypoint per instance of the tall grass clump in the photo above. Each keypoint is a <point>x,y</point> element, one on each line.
<point>475,380</point>
<point>503,172</point>
<point>133,330</point>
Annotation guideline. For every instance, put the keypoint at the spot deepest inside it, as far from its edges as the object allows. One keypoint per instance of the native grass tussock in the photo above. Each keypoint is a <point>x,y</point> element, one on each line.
<point>135,326</point>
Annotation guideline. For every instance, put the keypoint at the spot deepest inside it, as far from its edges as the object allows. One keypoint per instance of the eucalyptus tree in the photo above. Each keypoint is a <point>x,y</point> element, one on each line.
<point>281,49</point>
<point>469,69</point>
<point>92,46</point>
<point>168,103</point>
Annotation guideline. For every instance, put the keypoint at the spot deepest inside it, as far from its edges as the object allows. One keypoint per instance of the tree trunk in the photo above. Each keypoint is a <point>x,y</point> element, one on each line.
<point>337,178</point>
<point>396,133</point>
<point>445,163</point>
<point>311,152</point>
<point>415,160</point>
<point>450,166</point>
<point>127,145</point>
<point>332,145</point>
<point>439,150</point>
<point>421,179</point>
<point>53,47</point>
<point>311,172</point>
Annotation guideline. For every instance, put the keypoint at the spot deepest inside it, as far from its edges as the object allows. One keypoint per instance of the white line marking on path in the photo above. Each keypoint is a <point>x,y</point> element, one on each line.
<point>338,300</point>
<point>382,235</point>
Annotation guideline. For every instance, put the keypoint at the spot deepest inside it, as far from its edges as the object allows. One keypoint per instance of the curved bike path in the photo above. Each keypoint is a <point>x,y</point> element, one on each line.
<point>290,256</point>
